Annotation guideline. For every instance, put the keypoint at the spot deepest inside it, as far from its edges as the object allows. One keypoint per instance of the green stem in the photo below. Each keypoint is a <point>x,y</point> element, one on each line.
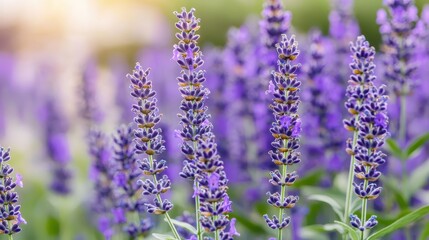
<point>349,192</point>
<point>402,140</point>
<point>158,196</point>
<point>364,209</point>
<point>282,196</point>
<point>197,213</point>
<point>10,237</point>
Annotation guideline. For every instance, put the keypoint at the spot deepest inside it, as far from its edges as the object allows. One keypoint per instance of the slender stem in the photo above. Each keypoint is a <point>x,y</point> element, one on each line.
<point>282,191</point>
<point>282,196</point>
<point>10,237</point>
<point>158,196</point>
<point>197,213</point>
<point>402,136</point>
<point>364,209</point>
<point>349,193</point>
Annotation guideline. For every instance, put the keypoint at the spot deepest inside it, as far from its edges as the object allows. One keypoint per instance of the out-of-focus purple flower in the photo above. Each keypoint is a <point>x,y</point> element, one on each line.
<point>129,211</point>
<point>122,98</point>
<point>321,131</point>
<point>285,103</point>
<point>10,209</point>
<point>90,110</point>
<point>368,104</point>
<point>102,171</point>
<point>57,147</point>
<point>275,22</point>
<point>399,42</point>
<point>199,146</point>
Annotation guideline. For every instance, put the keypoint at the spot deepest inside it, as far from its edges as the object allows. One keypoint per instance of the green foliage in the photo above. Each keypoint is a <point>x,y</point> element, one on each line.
<point>336,207</point>
<point>416,145</point>
<point>353,233</point>
<point>401,222</point>
<point>184,225</point>
<point>163,236</point>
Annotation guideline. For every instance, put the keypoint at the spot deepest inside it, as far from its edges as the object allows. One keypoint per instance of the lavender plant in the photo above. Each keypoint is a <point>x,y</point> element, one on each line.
<point>399,42</point>
<point>286,129</point>
<point>149,142</point>
<point>367,104</point>
<point>57,147</point>
<point>360,83</point>
<point>202,165</point>
<point>11,217</point>
<point>129,207</point>
<point>102,174</point>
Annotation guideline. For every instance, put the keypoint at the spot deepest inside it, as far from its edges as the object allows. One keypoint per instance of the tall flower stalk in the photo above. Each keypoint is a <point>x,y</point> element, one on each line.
<point>11,217</point>
<point>129,207</point>
<point>286,129</point>
<point>149,143</point>
<point>202,164</point>
<point>360,82</point>
<point>399,43</point>
<point>102,174</point>
<point>367,103</point>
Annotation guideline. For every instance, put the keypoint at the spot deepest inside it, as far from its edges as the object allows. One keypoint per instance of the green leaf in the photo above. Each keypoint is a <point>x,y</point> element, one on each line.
<point>314,232</point>
<point>352,232</point>
<point>391,184</point>
<point>401,222</point>
<point>330,201</point>
<point>394,149</point>
<point>310,179</point>
<point>184,225</point>
<point>162,236</point>
<point>416,144</point>
<point>418,179</point>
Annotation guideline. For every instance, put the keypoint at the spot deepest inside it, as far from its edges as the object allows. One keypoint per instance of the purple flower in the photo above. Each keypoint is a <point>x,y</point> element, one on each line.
<point>368,103</point>
<point>150,144</point>
<point>102,169</point>
<point>198,146</point>
<point>285,103</point>
<point>90,110</point>
<point>128,203</point>
<point>11,215</point>
<point>399,42</point>
<point>275,22</point>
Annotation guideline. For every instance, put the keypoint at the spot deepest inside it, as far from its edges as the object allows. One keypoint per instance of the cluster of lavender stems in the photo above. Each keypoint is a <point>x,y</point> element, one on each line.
<point>129,207</point>
<point>286,129</point>
<point>11,217</point>
<point>202,164</point>
<point>149,143</point>
<point>367,104</point>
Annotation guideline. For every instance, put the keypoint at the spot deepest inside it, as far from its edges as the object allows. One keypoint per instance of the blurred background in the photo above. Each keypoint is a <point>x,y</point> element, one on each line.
<point>45,48</point>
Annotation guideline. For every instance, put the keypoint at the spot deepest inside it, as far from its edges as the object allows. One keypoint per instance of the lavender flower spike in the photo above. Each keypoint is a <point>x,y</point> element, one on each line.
<point>149,141</point>
<point>399,44</point>
<point>129,209</point>
<point>202,164</point>
<point>275,22</point>
<point>102,174</point>
<point>286,129</point>
<point>360,83</point>
<point>369,103</point>
<point>11,216</point>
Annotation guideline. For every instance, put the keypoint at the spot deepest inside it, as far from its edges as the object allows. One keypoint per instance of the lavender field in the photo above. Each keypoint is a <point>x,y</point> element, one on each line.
<point>227,119</point>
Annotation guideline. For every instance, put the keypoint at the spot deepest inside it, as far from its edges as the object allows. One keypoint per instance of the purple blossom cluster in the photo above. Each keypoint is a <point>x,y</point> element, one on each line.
<point>149,143</point>
<point>57,147</point>
<point>202,163</point>
<point>11,217</point>
<point>368,104</point>
<point>286,129</point>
